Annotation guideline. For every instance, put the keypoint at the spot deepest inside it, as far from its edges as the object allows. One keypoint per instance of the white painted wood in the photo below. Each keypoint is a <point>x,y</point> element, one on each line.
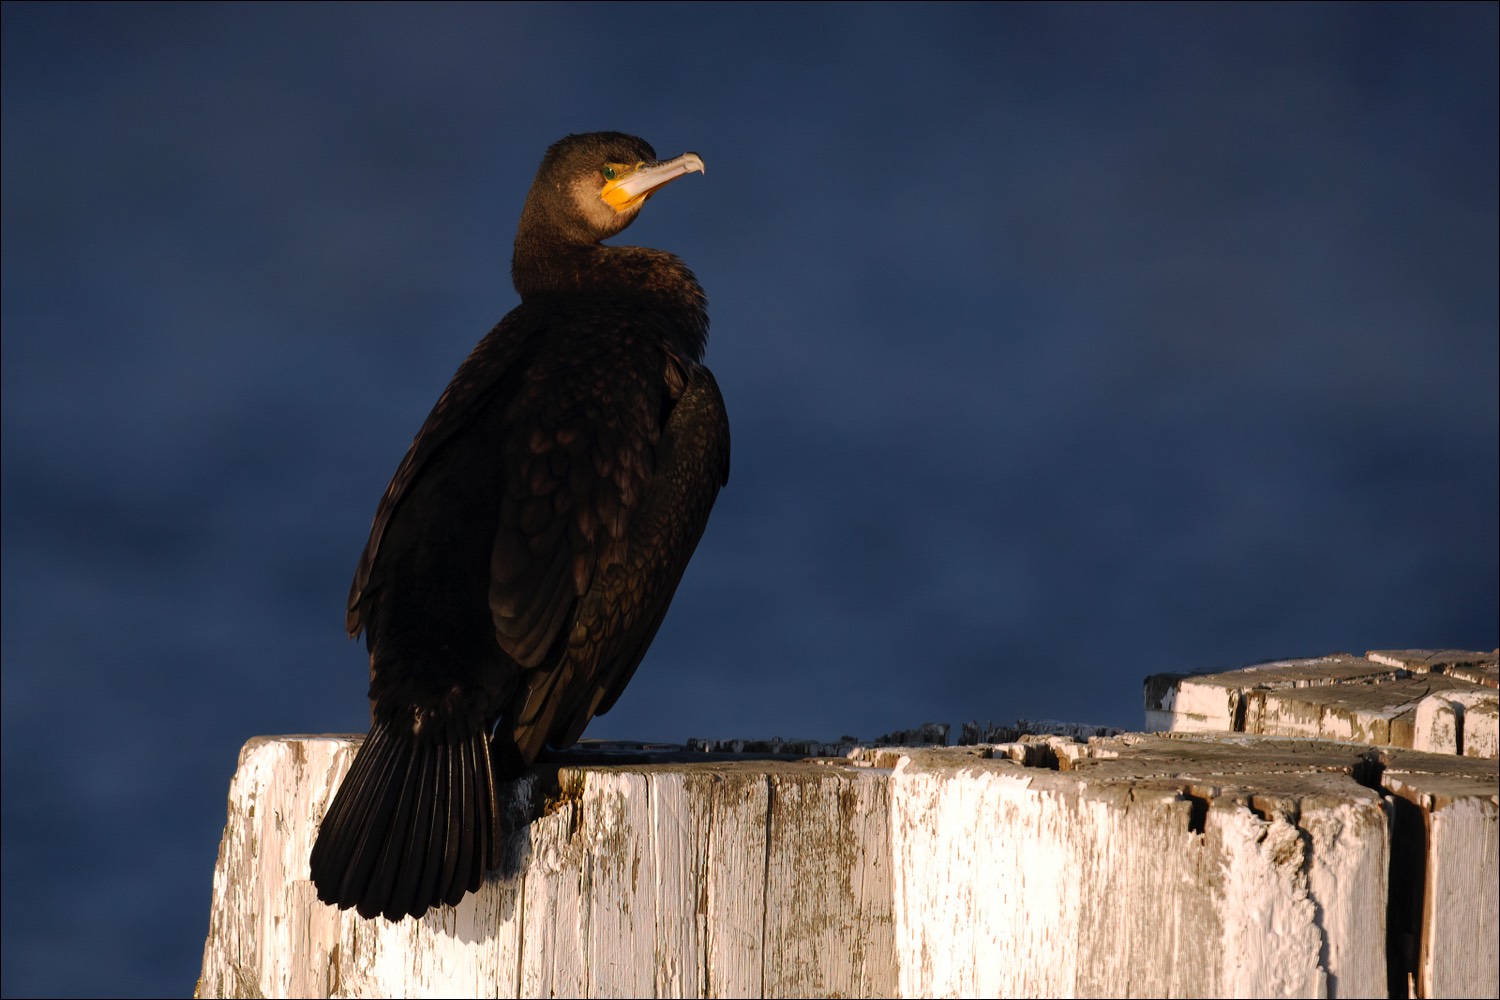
<point>1273,894</point>
<point>1348,879</point>
<point>1141,866</point>
<point>1458,722</point>
<point>1270,937</point>
<point>1482,729</point>
<point>1194,705</point>
<point>736,885</point>
<point>1441,701</point>
<point>828,911</point>
<point>1478,668</point>
<point>1462,929</point>
<point>1437,725</point>
<point>679,825</point>
<point>550,912</point>
<point>1460,946</point>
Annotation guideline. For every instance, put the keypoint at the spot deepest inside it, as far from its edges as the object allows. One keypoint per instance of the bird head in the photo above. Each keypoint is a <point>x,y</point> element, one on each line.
<point>591,186</point>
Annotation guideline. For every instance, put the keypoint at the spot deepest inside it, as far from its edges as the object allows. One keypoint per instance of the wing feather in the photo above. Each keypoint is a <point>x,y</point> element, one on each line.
<point>472,388</point>
<point>620,613</point>
<point>578,451</point>
<point>609,452</point>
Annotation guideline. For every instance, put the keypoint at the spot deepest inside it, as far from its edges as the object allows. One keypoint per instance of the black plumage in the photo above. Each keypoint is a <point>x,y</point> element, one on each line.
<point>527,547</point>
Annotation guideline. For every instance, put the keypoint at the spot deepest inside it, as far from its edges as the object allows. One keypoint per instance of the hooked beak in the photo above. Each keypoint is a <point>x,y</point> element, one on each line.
<point>629,192</point>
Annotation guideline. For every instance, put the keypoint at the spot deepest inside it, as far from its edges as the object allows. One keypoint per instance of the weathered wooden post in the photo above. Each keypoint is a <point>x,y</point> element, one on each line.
<point>1234,863</point>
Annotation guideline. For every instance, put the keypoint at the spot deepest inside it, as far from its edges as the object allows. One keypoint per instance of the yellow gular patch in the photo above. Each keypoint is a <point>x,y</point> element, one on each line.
<point>616,193</point>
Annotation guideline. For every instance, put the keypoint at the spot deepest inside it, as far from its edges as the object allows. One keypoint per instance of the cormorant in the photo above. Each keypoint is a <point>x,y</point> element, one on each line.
<point>528,545</point>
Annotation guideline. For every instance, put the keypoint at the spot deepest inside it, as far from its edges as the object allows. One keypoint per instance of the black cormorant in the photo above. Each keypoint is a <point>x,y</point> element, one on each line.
<point>528,545</point>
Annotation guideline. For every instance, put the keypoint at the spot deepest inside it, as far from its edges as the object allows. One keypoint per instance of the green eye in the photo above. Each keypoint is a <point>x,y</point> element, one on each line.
<point>609,173</point>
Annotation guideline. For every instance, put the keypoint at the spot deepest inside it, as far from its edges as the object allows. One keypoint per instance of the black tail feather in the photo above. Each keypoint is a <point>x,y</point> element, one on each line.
<point>346,821</point>
<point>394,855</point>
<point>488,811</point>
<point>458,852</point>
<point>426,887</point>
<point>372,799</point>
<point>413,824</point>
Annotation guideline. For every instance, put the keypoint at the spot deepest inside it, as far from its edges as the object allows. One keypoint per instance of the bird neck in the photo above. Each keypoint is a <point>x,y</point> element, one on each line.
<point>660,282</point>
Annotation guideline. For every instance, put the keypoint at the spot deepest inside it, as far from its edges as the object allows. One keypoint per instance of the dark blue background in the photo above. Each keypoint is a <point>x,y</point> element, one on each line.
<point>1062,345</point>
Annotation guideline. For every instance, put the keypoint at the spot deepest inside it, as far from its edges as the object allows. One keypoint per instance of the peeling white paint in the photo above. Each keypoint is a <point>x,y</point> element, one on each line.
<point>1152,867</point>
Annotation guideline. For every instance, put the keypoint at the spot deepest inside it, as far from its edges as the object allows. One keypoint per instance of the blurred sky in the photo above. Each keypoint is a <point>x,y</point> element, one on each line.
<point>1062,345</point>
